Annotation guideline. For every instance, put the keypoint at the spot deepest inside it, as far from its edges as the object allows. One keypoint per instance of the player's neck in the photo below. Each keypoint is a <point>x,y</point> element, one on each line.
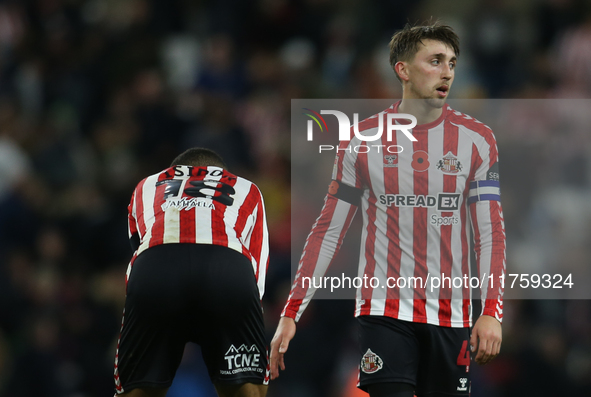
<point>421,109</point>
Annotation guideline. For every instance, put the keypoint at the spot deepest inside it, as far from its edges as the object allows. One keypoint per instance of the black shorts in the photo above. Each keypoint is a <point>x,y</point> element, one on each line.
<point>433,359</point>
<point>179,293</point>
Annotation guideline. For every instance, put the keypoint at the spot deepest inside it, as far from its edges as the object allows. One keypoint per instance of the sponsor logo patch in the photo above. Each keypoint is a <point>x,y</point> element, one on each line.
<point>390,160</point>
<point>448,201</point>
<point>493,173</point>
<point>371,362</point>
<point>463,384</point>
<point>444,220</point>
<point>242,359</point>
<point>443,201</point>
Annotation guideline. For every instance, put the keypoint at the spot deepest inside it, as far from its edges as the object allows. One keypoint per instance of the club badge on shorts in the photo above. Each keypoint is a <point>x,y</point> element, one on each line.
<point>371,362</point>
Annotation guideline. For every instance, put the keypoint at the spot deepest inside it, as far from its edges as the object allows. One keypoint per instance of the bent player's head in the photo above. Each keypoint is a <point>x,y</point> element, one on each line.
<point>199,157</point>
<point>424,58</point>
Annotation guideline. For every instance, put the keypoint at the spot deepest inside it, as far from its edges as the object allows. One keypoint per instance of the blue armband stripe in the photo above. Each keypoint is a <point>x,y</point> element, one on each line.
<point>475,184</point>
<point>484,197</point>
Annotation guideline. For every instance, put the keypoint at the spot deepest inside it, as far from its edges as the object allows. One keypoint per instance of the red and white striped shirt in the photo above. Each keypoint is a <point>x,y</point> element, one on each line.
<point>417,207</point>
<point>201,205</point>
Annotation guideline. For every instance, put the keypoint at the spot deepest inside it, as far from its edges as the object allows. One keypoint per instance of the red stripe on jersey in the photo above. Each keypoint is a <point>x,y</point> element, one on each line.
<point>158,228</point>
<point>247,208</point>
<point>450,144</point>
<point>393,232</point>
<point>421,187</point>
<point>256,242</point>
<point>219,235</point>
<point>139,207</point>
<point>370,258</point>
<point>497,259</point>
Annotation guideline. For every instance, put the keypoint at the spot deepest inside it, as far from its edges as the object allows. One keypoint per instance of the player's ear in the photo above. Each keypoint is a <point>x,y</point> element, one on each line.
<point>401,69</point>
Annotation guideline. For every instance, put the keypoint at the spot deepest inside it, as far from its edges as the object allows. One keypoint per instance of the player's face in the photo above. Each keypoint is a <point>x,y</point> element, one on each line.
<point>431,73</point>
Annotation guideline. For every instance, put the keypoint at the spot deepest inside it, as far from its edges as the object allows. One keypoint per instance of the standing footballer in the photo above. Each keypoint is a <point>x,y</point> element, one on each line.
<point>197,274</point>
<point>417,209</point>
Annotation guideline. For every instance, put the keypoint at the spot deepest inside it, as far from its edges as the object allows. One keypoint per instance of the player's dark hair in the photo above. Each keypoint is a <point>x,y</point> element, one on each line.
<point>199,157</point>
<point>405,43</point>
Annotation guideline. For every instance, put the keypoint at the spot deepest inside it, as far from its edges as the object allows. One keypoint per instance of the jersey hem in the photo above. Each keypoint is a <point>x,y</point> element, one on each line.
<point>194,242</point>
<point>422,320</point>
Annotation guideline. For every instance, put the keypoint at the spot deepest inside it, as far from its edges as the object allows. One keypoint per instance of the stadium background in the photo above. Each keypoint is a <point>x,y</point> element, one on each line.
<point>97,94</point>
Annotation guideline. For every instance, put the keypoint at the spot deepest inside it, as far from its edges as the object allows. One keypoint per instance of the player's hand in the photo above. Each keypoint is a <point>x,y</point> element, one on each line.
<point>486,339</point>
<point>284,333</point>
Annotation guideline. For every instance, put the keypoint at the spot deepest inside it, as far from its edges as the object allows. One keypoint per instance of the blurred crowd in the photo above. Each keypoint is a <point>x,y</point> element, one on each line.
<point>97,94</point>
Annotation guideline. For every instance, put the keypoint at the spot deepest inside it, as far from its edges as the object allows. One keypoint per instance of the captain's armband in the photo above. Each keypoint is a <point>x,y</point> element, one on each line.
<point>342,191</point>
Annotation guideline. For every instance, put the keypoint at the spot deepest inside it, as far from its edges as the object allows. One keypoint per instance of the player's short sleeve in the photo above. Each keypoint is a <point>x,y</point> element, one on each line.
<point>132,229</point>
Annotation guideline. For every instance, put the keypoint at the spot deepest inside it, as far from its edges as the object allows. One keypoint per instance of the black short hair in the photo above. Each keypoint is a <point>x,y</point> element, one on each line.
<point>199,157</point>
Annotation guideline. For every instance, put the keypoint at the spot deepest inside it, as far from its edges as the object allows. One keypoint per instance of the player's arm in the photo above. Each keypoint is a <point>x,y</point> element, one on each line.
<point>489,245</point>
<point>322,245</point>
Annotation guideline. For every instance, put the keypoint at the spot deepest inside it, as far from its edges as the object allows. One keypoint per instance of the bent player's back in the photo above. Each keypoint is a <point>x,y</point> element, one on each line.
<point>202,205</point>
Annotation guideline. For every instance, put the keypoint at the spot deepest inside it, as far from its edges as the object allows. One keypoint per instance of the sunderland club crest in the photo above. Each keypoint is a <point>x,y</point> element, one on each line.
<point>449,164</point>
<point>371,362</point>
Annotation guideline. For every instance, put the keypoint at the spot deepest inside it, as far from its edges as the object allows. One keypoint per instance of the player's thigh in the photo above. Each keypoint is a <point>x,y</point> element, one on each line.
<point>243,390</point>
<point>445,361</point>
<point>151,341</point>
<point>230,327</point>
<point>389,351</point>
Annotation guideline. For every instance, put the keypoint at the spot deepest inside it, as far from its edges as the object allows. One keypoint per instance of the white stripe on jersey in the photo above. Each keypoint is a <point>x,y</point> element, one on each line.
<point>434,237</point>
<point>264,252</point>
<point>407,260</point>
<point>484,218</point>
<point>203,233</point>
<point>328,248</point>
<point>148,192</point>
<point>375,163</point>
<point>242,188</point>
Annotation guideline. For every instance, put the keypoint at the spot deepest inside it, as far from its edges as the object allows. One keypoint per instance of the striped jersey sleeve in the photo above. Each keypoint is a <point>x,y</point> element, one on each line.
<point>329,230</point>
<point>486,215</point>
